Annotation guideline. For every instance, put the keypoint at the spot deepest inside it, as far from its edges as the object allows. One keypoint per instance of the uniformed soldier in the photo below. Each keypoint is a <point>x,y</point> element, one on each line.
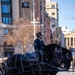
<point>38,43</point>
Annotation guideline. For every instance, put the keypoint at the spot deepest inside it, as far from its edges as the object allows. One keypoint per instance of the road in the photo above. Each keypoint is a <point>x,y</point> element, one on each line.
<point>66,73</point>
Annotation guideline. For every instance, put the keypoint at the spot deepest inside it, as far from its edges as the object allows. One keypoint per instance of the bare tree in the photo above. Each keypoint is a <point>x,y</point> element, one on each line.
<point>23,34</point>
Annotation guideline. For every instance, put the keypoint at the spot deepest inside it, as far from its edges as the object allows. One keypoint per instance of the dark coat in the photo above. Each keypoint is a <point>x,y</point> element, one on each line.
<point>38,44</point>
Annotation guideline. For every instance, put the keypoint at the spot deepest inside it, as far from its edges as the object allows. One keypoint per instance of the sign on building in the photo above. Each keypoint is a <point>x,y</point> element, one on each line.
<point>25,5</point>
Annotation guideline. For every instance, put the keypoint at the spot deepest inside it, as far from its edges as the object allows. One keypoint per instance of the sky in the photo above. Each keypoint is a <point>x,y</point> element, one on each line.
<point>66,13</point>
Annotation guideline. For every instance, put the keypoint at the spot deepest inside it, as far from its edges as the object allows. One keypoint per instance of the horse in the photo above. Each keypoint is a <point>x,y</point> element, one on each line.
<point>49,61</point>
<point>64,59</point>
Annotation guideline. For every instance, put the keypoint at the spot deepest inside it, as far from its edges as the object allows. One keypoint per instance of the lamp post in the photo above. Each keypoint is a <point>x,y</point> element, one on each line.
<point>26,5</point>
<point>34,17</point>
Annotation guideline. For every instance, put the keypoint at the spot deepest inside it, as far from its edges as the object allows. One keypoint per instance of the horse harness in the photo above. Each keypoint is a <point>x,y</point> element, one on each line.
<point>32,60</point>
<point>58,55</point>
<point>56,59</point>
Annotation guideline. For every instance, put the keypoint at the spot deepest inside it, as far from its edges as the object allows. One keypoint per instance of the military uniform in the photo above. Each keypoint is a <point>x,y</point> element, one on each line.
<point>39,44</point>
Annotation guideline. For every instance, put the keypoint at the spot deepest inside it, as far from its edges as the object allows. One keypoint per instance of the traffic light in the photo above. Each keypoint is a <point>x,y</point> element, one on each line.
<point>25,5</point>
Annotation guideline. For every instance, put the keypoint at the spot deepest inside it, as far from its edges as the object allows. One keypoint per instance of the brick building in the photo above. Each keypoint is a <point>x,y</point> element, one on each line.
<point>11,10</point>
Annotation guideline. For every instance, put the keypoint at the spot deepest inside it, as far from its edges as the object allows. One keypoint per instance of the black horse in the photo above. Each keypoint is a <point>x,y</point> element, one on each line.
<point>50,60</point>
<point>60,58</point>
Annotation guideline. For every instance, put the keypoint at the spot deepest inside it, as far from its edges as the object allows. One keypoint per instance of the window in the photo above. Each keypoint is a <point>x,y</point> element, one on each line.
<point>53,20</point>
<point>6,20</point>
<point>44,1</point>
<point>5,8</point>
<point>53,25</point>
<point>5,0</point>
<point>40,7</point>
<point>47,5</point>
<point>47,9</point>
<point>53,13</point>
<point>41,20</point>
<point>53,6</point>
<point>6,31</point>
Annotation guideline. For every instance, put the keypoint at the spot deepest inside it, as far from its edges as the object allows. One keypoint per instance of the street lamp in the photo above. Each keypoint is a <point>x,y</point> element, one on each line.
<point>34,17</point>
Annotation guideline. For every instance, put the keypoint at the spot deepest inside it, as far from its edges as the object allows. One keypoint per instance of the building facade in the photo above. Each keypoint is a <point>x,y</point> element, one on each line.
<point>48,33</point>
<point>4,49</point>
<point>70,40</point>
<point>52,10</point>
<point>1,40</point>
<point>11,10</point>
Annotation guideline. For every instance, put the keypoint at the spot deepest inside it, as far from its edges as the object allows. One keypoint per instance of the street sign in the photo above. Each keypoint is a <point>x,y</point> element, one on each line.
<point>25,5</point>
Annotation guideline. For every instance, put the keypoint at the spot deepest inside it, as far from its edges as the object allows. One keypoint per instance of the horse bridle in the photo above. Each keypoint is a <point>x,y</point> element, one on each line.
<point>55,57</point>
<point>58,54</point>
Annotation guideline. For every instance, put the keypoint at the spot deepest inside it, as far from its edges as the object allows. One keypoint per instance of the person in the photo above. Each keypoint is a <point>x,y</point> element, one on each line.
<point>38,42</point>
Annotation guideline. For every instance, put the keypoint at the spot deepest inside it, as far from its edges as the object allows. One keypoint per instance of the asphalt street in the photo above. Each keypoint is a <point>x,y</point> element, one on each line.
<point>66,73</point>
